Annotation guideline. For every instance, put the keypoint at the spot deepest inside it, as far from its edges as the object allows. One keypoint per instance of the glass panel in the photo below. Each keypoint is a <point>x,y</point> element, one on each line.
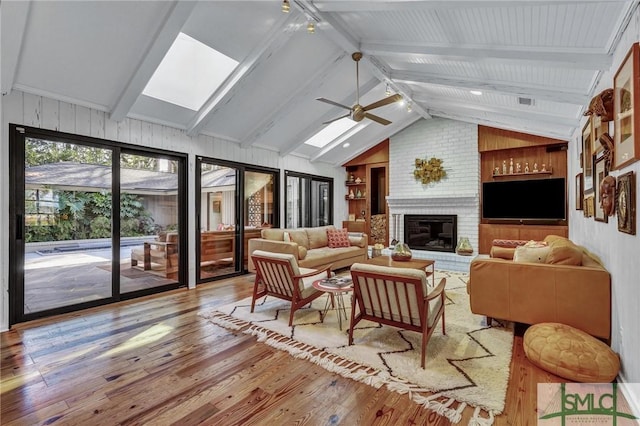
<point>148,222</point>
<point>319,203</point>
<point>218,236</point>
<point>308,201</point>
<point>294,202</point>
<point>67,257</point>
<point>259,207</point>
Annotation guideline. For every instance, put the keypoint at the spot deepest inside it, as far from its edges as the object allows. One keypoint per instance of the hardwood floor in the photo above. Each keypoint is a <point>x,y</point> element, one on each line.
<point>155,361</point>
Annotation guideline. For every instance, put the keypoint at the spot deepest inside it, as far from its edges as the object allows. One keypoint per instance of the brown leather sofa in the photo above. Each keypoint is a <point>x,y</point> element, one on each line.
<point>310,246</point>
<point>571,287</point>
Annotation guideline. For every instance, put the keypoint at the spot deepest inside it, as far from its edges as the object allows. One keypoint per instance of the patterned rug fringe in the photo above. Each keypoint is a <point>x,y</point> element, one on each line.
<point>437,402</point>
<point>478,420</point>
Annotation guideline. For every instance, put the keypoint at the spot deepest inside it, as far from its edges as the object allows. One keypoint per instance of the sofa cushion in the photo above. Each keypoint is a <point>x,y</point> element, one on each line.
<point>299,236</point>
<point>318,236</point>
<point>338,238</point>
<point>355,238</point>
<point>507,243</point>
<point>302,252</point>
<point>563,251</point>
<point>531,254</point>
<point>274,234</point>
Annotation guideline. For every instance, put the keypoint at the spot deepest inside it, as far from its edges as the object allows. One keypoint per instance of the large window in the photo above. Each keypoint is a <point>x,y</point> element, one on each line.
<point>308,200</point>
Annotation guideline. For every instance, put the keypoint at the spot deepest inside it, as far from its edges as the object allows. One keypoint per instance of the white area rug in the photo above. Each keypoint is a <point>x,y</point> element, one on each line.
<point>467,366</point>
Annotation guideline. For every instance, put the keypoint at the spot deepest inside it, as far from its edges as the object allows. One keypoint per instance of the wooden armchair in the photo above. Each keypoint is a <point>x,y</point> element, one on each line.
<point>278,275</point>
<point>163,253</point>
<point>398,297</point>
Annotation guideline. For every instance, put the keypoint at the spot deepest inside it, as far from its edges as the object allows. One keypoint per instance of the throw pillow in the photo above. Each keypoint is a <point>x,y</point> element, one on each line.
<point>338,238</point>
<point>531,254</point>
<point>564,252</point>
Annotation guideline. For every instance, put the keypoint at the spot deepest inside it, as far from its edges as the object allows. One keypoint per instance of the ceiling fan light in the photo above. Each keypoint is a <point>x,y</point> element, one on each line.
<point>311,28</point>
<point>286,7</point>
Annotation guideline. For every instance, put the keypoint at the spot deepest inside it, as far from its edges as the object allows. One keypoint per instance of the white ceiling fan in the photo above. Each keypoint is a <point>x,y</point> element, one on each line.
<point>358,112</point>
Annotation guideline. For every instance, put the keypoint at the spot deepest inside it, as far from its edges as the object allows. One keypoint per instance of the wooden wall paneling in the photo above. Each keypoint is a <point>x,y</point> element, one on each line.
<point>492,139</point>
<point>496,146</point>
<point>50,114</point>
<point>83,121</point>
<point>135,131</point>
<point>32,110</point>
<point>123,130</point>
<point>67,117</point>
<point>97,123</point>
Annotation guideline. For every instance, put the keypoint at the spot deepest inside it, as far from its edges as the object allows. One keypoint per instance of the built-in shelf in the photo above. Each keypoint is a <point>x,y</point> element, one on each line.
<point>546,172</point>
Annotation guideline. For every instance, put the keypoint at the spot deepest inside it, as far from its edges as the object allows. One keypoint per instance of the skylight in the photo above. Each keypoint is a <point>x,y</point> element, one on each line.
<point>331,132</point>
<point>189,73</point>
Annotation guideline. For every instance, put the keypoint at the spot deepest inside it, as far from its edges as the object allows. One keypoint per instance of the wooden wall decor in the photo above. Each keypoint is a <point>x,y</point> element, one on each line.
<point>626,203</point>
<point>626,109</point>
<point>428,171</point>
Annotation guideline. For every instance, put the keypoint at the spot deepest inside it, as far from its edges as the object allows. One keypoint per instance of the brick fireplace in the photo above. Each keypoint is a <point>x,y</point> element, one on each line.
<point>456,144</point>
<point>431,232</point>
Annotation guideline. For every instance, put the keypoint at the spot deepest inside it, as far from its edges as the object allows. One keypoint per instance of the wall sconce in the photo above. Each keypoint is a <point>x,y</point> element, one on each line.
<point>286,7</point>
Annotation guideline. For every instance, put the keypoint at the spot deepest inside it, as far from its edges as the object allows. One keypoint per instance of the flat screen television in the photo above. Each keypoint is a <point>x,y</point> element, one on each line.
<point>532,199</point>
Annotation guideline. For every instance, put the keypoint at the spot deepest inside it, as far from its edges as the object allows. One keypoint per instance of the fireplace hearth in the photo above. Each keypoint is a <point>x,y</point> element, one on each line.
<point>431,232</point>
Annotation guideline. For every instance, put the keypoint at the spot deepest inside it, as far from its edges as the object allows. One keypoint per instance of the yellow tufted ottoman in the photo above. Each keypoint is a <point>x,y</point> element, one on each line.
<point>570,353</point>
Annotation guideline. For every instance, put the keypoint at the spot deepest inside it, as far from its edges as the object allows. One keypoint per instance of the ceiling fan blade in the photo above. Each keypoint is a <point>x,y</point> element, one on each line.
<point>327,101</point>
<point>383,102</point>
<point>377,119</point>
<point>337,118</point>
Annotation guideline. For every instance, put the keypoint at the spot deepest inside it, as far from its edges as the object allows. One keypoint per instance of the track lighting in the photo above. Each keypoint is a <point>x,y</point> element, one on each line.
<point>388,91</point>
<point>408,106</point>
<point>286,7</point>
<point>311,28</point>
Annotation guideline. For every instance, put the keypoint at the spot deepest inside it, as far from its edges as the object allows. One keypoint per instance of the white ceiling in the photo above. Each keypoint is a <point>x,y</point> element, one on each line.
<point>101,54</point>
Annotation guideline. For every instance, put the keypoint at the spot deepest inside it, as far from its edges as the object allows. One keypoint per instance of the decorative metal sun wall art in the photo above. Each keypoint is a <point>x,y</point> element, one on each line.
<point>428,171</point>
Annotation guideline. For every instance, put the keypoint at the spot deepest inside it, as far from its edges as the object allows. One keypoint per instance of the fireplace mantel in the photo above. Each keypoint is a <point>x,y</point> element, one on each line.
<point>432,201</point>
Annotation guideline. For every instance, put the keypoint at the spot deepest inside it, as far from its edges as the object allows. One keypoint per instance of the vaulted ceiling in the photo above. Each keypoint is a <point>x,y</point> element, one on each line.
<point>535,62</point>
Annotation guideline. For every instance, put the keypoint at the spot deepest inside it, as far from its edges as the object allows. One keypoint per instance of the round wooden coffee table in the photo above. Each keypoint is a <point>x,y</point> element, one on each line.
<point>335,297</point>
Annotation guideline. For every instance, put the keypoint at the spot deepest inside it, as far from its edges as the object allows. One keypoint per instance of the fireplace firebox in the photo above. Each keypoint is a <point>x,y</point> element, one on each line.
<point>431,232</point>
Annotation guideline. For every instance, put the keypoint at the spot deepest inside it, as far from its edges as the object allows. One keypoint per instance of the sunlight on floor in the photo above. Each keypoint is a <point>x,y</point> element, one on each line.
<point>152,334</point>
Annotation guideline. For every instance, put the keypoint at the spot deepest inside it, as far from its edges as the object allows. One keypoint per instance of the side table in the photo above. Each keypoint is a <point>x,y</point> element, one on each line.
<point>335,298</point>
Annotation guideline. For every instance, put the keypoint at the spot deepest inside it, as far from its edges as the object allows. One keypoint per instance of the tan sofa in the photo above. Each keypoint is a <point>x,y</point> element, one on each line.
<point>570,287</point>
<point>309,245</point>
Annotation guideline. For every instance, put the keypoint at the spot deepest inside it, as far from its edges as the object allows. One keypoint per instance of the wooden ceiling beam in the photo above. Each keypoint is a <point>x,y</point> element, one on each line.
<point>280,33</point>
<point>524,90</point>
<point>413,5</point>
<point>587,59</point>
<point>160,44</point>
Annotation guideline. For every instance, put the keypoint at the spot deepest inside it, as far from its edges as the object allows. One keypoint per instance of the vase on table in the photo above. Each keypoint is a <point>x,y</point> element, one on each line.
<point>401,252</point>
<point>464,247</point>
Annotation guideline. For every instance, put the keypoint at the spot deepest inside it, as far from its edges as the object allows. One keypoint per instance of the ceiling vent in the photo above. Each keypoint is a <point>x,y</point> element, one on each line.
<point>525,101</point>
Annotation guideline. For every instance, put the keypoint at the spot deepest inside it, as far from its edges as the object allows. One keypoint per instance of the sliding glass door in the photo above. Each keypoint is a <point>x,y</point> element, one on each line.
<point>236,201</point>
<point>94,222</point>
<point>308,200</point>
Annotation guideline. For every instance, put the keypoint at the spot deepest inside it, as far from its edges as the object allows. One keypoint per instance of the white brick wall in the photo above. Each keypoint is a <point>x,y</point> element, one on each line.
<point>456,144</point>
